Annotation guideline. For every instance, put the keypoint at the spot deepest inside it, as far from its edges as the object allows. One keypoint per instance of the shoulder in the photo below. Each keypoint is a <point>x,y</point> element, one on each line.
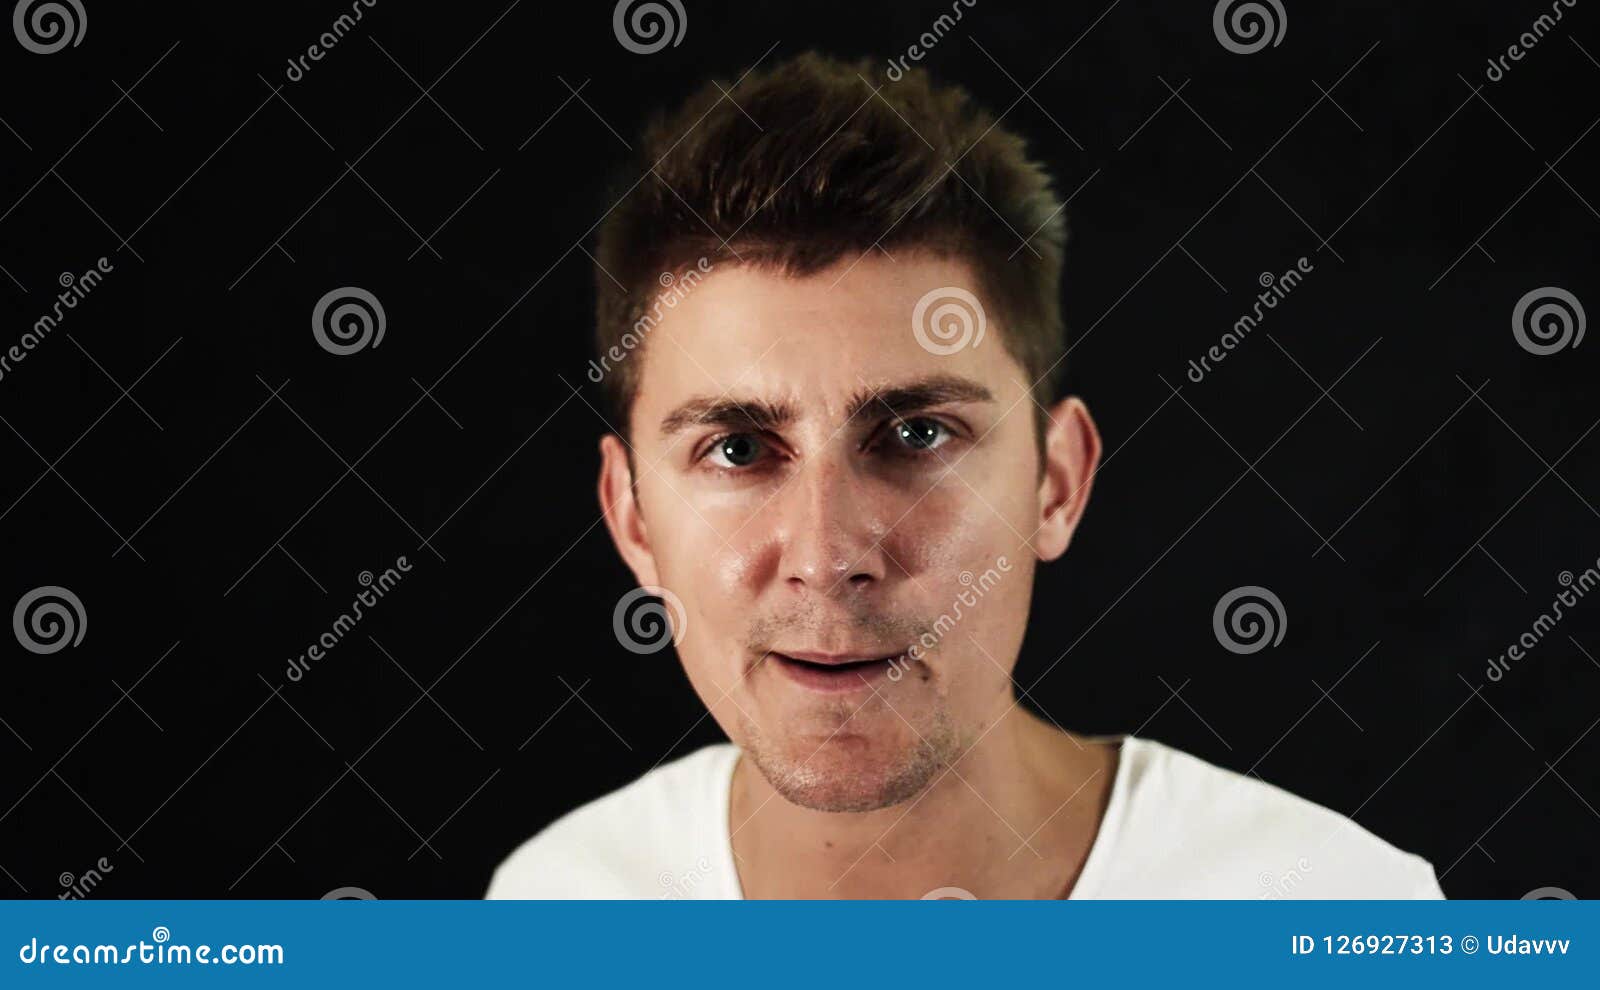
<point>656,837</point>
<point>1188,828</point>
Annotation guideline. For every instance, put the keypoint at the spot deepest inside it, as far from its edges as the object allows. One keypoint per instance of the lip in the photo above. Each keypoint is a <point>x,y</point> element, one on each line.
<point>834,673</point>
<point>834,659</point>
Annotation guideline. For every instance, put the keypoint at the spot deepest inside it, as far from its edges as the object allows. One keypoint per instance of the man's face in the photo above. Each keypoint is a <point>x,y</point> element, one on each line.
<point>850,518</point>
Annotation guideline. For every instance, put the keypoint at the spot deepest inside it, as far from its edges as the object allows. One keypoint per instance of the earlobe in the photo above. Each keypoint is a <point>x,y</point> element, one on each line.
<point>1071,455</point>
<point>620,507</point>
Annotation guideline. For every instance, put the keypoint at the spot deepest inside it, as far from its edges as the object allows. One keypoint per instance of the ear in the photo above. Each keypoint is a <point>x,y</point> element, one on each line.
<point>1071,454</point>
<point>621,509</point>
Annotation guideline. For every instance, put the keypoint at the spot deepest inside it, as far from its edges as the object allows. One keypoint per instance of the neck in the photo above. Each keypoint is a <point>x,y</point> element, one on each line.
<point>1013,817</point>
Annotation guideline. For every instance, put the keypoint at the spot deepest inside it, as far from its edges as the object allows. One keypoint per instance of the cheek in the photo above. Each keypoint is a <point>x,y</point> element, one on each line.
<point>951,530</point>
<point>719,565</point>
<point>700,558</point>
<point>718,605</point>
<point>725,553</point>
<point>971,564</point>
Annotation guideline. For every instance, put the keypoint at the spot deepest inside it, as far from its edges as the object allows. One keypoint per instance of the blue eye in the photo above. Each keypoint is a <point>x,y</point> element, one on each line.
<point>736,450</point>
<point>920,433</point>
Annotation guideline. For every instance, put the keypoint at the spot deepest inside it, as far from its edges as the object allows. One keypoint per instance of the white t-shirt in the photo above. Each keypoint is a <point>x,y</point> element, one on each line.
<point>1175,827</point>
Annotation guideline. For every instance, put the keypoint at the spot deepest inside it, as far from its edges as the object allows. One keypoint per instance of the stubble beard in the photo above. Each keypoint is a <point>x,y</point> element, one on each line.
<point>842,775</point>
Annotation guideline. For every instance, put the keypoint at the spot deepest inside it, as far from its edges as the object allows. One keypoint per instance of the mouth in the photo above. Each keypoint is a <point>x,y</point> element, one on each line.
<point>837,673</point>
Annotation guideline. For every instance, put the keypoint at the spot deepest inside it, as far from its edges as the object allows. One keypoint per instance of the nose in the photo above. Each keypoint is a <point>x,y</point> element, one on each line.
<point>832,531</point>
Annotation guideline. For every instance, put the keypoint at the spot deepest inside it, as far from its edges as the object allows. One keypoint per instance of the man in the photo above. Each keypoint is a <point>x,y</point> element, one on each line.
<point>830,331</point>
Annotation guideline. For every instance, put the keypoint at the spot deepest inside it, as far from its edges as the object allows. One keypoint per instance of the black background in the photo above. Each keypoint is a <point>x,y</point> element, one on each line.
<point>255,475</point>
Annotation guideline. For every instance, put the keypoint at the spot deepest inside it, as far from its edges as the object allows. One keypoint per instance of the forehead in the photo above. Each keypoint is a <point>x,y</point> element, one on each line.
<point>817,339</point>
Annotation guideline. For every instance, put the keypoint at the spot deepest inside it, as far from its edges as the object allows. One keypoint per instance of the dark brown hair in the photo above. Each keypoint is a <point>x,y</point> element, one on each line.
<point>803,164</point>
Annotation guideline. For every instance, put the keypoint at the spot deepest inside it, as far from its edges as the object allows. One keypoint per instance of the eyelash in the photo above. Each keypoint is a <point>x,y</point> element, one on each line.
<point>903,451</point>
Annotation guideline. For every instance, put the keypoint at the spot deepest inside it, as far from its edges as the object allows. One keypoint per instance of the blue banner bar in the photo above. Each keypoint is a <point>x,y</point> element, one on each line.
<point>940,943</point>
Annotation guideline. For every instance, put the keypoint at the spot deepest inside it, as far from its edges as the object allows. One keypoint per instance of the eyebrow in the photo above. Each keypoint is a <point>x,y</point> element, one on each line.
<point>924,393</point>
<point>765,415</point>
<point>756,415</point>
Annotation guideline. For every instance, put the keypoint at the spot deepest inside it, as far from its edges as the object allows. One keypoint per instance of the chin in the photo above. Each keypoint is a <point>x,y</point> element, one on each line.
<point>852,773</point>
